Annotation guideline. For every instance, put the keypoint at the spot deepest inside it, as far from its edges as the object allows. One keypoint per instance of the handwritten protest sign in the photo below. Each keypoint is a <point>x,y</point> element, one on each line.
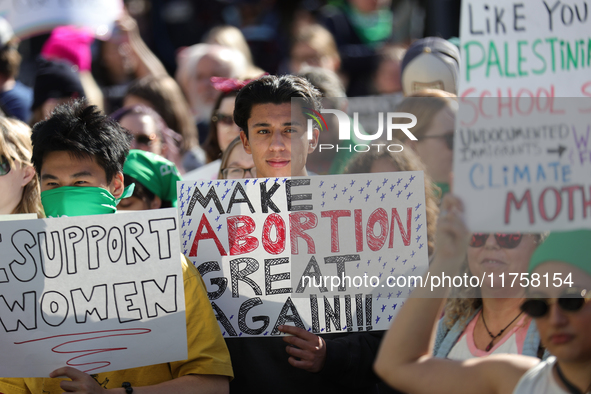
<point>325,253</point>
<point>539,48</point>
<point>99,293</point>
<point>30,17</point>
<point>522,173</point>
<point>521,150</point>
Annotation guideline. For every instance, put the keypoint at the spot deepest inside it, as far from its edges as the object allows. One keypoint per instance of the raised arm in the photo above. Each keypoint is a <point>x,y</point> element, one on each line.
<point>405,359</point>
<point>148,63</point>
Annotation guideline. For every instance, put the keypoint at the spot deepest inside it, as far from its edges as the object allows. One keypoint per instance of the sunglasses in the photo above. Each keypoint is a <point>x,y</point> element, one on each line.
<point>506,241</point>
<point>571,300</point>
<point>143,139</point>
<point>4,166</point>
<point>448,138</point>
<point>228,120</point>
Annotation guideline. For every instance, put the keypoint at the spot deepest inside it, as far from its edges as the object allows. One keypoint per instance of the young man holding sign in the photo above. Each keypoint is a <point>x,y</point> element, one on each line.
<point>79,155</point>
<point>278,141</point>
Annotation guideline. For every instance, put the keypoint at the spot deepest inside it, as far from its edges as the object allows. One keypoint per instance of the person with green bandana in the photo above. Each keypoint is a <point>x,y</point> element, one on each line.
<point>154,179</point>
<point>78,154</point>
<point>557,298</point>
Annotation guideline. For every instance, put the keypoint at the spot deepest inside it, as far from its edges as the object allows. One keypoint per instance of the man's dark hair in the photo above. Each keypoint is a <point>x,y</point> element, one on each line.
<point>84,131</point>
<point>272,89</point>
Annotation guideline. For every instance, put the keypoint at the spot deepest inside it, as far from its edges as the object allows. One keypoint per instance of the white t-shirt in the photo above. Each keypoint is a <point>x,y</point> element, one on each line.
<point>539,380</point>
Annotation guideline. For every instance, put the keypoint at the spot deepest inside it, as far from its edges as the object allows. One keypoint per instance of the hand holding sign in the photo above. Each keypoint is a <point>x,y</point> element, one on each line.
<point>80,382</point>
<point>452,234</point>
<point>309,348</point>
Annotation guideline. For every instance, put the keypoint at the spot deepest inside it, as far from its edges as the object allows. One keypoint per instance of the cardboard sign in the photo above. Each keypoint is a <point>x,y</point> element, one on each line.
<point>30,17</point>
<point>521,149</point>
<point>324,253</point>
<point>517,49</point>
<point>522,173</point>
<point>98,293</point>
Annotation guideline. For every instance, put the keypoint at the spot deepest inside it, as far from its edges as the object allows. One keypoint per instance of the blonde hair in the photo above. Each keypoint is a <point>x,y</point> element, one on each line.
<point>16,147</point>
<point>231,37</point>
<point>425,104</point>
<point>226,155</point>
<point>320,39</point>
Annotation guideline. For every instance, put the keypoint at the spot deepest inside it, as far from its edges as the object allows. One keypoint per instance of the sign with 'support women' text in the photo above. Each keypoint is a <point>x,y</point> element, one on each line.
<point>98,293</point>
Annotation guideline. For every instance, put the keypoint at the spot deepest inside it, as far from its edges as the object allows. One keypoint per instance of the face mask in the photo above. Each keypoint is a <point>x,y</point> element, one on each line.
<point>78,201</point>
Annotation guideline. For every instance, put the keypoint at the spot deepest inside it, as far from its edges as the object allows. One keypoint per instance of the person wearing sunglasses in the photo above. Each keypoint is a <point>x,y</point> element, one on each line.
<point>150,132</point>
<point>435,111</point>
<point>19,185</point>
<point>483,321</point>
<point>561,310</point>
<point>222,129</point>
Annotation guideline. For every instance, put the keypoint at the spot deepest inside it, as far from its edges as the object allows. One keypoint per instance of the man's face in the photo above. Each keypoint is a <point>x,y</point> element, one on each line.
<point>61,168</point>
<point>277,141</point>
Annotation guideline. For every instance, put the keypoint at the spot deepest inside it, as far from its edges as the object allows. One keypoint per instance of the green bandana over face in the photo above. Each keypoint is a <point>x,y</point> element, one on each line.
<point>78,201</point>
<point>156,173</point>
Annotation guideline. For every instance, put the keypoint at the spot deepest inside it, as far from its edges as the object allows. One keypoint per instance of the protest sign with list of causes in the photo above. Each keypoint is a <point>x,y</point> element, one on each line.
<point>325,253</point>
<point>522,147</point>
<point>98,293</point>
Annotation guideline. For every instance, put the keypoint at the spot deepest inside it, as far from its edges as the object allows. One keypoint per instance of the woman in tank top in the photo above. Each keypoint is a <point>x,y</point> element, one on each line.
<point>561,310</point>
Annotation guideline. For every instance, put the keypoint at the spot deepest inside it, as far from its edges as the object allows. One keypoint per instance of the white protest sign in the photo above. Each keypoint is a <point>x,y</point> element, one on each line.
<point>526,174</point>
<point>522,158</point>
<point>30,17</point>
<point>99,293</point>
<point>536,48</point>
<point>325,253</point>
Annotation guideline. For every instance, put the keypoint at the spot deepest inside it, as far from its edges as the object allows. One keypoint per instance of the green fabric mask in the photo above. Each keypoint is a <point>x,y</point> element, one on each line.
<point>78,201</point>
<point>572,247</point>
<point>156,173</point>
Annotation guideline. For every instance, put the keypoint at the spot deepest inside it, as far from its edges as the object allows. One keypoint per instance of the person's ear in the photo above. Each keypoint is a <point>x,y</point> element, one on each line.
<point>156,203</point>
<point>28,174</point>
<point>314,141</point>
<point>245,142</point>
<point>117,185</point>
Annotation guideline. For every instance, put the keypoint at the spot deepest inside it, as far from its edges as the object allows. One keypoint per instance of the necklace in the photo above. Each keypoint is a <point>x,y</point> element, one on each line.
<point>571,387</point>
<point>493,337</point>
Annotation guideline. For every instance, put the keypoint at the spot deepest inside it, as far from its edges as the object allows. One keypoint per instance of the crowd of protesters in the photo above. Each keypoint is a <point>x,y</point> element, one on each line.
<point>110,116</point>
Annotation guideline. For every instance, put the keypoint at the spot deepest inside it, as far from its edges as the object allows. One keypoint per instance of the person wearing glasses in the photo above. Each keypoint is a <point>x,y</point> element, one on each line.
<point>222,129</point>
<point>236,163</point>
<point>487,320</point>
<point>436,112</point>
<point>560,307</point>
<point>19,185</point>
